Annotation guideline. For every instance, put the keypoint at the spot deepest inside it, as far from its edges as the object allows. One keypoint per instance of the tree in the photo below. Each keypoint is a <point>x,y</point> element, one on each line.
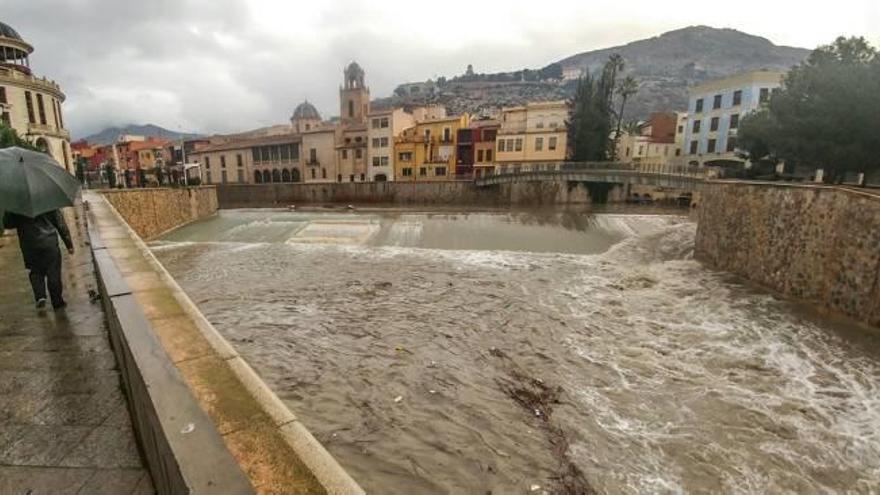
<point>551,72</point>
<point>628,87</point>
<point>9,137</point>
<point>826,115</point>
<point>110,171</point>
<point>591,112</point>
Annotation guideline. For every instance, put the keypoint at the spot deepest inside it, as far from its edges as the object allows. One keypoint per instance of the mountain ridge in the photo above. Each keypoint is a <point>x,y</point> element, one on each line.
<point>665,66</point>
<point>111,134</point>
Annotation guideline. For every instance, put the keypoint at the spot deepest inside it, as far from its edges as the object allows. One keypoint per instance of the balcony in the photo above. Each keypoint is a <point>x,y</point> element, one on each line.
<point>313,163</point>
<point>47,130</point>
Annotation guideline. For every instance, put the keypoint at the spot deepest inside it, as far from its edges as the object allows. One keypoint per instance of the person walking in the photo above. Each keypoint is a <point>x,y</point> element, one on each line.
<point>38,240</point>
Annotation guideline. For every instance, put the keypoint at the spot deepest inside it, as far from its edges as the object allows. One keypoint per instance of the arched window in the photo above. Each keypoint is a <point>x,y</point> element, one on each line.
<point>380,178</point>
<point>285,175</point>
<point>42,145</point>
<point>294,175</point>
<point>267,177</point>
<point>258,177</point>
<point>276,175</point>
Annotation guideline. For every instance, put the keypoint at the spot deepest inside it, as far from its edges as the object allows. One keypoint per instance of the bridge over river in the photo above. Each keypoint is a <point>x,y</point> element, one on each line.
<point>667,176</point>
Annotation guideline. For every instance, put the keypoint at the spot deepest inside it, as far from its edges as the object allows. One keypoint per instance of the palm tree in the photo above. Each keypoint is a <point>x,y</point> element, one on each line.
<point>627,87</point>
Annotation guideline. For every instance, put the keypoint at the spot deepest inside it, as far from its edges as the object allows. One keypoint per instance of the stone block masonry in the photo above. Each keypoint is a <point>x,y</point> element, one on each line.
<point>152,212</point>
<point>815,243</point>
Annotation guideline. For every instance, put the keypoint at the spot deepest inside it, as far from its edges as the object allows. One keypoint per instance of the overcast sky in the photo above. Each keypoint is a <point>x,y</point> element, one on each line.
<point>229,65</point>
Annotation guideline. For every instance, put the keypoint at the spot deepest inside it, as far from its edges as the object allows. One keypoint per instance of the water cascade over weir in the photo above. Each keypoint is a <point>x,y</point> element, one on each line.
<point>475,352</point>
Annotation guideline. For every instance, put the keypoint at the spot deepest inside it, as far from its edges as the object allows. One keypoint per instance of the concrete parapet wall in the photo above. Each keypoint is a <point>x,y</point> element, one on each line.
<point>152,212</point>
<point>816,243</point>
<point>414,193</point>
<point>206,421</point>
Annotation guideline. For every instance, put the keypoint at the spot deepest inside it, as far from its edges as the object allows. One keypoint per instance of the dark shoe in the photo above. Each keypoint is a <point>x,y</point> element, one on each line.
<point>59,306</point>
<point>41,304</point>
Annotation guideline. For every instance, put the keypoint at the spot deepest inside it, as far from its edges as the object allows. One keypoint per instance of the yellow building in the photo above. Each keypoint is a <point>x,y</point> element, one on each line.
<point>532,137</point>
<point>427,151</point>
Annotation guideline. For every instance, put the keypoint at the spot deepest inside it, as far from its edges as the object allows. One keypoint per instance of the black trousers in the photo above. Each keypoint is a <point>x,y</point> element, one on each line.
<point>46,270</point>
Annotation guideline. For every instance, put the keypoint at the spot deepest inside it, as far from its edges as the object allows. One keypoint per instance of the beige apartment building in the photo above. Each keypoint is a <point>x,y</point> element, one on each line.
<point>29,104</point>
<point>258,161</point>
<point>384,127</point>
<point>532,137</point>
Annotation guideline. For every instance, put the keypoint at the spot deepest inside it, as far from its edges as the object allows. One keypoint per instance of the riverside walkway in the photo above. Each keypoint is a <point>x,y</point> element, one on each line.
<point>64,424</point>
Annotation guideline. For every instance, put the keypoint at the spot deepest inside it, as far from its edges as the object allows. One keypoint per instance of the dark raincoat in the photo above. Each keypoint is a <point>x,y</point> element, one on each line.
<point>39,235</point>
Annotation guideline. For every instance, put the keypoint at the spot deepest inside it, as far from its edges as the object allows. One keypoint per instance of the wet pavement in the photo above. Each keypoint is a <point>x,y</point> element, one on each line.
<point>64,425</point>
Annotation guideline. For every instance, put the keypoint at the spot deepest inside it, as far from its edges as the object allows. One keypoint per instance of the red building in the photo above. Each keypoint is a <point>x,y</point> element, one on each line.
<point>476,146</point>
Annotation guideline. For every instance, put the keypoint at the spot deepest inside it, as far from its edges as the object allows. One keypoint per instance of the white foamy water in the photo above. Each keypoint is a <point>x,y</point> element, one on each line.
<point>671,378</point>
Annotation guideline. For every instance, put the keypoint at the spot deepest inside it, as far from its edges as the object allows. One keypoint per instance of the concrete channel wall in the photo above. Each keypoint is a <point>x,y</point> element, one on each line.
<point>408,193</point>
<point>816,243</point>
<point>205,421</point>
<point>152,212</point>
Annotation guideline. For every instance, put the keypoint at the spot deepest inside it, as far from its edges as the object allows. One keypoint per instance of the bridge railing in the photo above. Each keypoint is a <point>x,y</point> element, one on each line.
<point>689,171</point>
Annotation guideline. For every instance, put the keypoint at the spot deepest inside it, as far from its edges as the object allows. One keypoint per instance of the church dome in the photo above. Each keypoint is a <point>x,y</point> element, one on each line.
<point>7,32</point>
<point>306,111</point>
<point>354,68</point>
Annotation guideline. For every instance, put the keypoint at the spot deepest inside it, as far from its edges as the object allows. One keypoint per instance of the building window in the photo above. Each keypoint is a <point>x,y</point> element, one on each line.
<point>358,153</point>
<point>323,173</point>
<point>384,123</point>
<point>383,142</point>
<point>696,126</point>
<point>41,108</point>
<point>405,157</point>
<point>313,155</point>
<point>423,171</point>
<point>539,144</point>
<point>208,177</point>
<point>406,172</point>
<point>716,104</point>
<point>375,161</point>
<point>551,145</point>
<point>731,144</point>
<point>641,150</point>
<point>539,125</point>
<point>479,155</point>
<point>489,153</point>
<point>375,123</point>
<point>711,146</point>
<point>699,106</point>
<point>29,101</point>
<point>375,142</point>
<point>362,177</point>
<point>737,97</point>
<point>285,153</point>
<point>255,154</point>
<point>351,178</point>
<point>677,151</point>
<point>55,113</point>
<point>519,144</point>
<point>223,178</point>
<point>222,161</point>
<point>694,145</point>
<point>734,121</point>
<point>265,154</point>
<point>447,135</point>
<point>680,129</point>
<point>383,161</point>
<point>713,124</point>
<point>207,162</point>
<point>350,108</point>
<point>439,171</point>
<point>240,175</point>
<point>765,95</point>
<point>345,154</point>
<point>238,160</point>
<point>500,145</point>
<point>357,139</point>
<point>3,95</point>
<point>313,173</point>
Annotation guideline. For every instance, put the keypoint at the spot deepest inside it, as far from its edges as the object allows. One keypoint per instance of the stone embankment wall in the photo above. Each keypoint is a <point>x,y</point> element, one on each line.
<point>816,243</point>
<point>152,212</point>
<point>413,193</point>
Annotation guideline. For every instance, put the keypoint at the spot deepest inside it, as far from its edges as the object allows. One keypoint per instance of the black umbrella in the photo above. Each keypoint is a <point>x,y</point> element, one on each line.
<point>33,183</point>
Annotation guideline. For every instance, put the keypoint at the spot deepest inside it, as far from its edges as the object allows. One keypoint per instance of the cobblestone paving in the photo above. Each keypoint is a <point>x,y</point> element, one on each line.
<point>64,426</point>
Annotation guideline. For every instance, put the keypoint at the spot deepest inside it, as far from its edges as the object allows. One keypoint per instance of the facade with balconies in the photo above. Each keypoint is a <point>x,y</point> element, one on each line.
<point>427,151</point>
<point>30,104</point>
<point>532,137</point>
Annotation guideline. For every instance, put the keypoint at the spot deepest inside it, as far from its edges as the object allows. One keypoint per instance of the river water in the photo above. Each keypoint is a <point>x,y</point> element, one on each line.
<point>548,352</point>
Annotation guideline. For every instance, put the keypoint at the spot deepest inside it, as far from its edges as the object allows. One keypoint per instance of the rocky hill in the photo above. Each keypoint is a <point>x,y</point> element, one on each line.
<point>111,134</point>
<point>665,66</point>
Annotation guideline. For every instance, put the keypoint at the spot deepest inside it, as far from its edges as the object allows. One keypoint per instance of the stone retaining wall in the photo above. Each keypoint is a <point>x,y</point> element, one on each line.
<point>816,243</point>
<point>152,212</point>
<point>422,193</point>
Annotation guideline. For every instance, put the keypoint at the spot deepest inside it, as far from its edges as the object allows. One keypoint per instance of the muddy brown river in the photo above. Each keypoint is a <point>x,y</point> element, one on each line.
<point>535,352</point>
